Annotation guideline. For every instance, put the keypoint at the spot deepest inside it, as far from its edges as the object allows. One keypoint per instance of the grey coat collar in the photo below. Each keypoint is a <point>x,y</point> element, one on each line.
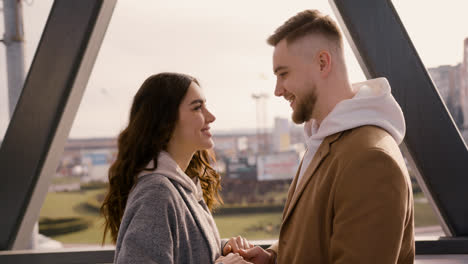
<point>192,194</point>
<point>169,168</point>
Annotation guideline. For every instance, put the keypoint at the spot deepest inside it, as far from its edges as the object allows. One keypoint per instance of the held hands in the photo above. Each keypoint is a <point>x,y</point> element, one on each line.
<point>235,244</point>
<point>253,255</point>
<point>258,255</point>
<point>231,251</point>
<point>231,258</point>
<point>245,252</point>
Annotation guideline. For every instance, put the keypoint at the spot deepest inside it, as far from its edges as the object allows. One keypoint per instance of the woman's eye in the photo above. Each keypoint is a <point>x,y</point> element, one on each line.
<point>198,107</point>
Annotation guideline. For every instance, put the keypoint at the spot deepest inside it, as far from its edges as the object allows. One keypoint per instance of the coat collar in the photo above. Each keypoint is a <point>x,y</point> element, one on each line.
<point>167,167</point>
<point>295,193</point>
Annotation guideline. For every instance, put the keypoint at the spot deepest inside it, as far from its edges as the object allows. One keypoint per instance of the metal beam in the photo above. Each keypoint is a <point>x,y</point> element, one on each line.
<point>384,49</point>
<point>46,109</point>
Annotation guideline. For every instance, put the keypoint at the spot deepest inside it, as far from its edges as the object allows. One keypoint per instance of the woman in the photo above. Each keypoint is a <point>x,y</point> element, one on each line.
<point>161,186</point>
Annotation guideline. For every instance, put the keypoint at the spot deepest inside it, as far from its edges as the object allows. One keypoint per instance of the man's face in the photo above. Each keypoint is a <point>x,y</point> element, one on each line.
<point>295,79</point>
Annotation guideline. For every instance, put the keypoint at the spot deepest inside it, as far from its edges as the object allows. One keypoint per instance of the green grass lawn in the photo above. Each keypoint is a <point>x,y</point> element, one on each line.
<point>63,204</point>
<point>252,226</point>
<point>424,215</point>
<point>92,235</point>
<point>70,204</point>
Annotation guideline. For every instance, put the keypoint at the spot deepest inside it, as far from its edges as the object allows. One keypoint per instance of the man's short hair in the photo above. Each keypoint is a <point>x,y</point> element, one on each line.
<point>305,23</point>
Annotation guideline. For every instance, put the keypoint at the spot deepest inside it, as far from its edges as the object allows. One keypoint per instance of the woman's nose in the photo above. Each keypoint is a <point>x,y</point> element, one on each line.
<point>210,117</point>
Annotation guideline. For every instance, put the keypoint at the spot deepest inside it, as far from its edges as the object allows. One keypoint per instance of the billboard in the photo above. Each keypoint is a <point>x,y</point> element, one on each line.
<point>277,166</point>
<point>97,161</point>
<point>241,168</point>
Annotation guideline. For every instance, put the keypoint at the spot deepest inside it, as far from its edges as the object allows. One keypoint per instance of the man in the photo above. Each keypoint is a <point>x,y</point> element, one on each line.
<point>351,200</point>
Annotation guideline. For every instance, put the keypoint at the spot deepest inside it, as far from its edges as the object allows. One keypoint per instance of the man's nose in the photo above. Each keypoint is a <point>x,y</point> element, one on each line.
<point>279,90</point>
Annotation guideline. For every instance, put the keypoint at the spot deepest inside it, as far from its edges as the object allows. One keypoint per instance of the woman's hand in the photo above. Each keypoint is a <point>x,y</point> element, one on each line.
<point>231,258</point>
<point>234,244</point>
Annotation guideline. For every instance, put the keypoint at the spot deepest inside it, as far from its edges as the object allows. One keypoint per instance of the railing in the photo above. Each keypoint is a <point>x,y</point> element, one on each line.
<point>428,252</point>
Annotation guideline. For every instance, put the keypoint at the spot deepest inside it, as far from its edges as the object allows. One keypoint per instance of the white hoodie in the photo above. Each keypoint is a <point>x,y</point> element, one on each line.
<point>373,104</point>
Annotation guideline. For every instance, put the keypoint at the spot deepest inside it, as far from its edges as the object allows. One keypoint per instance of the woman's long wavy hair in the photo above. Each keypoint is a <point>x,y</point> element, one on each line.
<point>153,117</point>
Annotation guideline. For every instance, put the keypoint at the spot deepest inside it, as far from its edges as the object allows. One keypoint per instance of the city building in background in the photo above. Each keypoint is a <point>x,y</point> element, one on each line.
<point>464,84</point>
<point>452,83</point>
<point>85,160</point>
<point>281,135</point>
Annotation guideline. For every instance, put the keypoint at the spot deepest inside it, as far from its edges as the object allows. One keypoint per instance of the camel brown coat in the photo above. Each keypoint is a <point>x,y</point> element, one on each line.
<point>354,204</point>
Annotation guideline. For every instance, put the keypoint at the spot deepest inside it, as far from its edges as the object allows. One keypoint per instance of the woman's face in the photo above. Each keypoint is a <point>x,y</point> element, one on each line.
<point>192,129</point>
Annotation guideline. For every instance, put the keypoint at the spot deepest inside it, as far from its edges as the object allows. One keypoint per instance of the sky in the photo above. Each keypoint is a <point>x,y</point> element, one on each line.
<point>222,43</point>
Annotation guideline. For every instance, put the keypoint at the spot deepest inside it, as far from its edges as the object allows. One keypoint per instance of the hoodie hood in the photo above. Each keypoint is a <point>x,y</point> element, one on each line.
<point>168,168</point>
<point>373,104</point>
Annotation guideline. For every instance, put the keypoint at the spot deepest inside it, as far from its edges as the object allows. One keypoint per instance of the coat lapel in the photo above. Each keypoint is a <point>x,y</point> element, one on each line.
<point>201,220</point>
<point>295,193</point>
<point>292,187</point>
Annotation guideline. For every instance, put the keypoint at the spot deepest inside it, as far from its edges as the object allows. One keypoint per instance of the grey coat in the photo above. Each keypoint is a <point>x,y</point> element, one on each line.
<point>166,220</point>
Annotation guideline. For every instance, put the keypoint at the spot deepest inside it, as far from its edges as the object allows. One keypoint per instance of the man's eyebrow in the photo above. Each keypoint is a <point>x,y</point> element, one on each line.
<point>279,68</point>
<point>197,101</point>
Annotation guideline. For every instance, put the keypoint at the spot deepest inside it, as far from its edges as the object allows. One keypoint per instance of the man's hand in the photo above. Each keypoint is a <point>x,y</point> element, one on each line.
<point>235,244</point>
<point>258,255</point>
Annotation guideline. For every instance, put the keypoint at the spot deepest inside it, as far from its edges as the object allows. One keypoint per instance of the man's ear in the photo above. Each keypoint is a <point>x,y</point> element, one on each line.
<point>324,62</point>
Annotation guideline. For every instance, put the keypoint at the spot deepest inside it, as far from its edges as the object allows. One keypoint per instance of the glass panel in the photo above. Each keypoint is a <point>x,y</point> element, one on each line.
<point>444,51</point>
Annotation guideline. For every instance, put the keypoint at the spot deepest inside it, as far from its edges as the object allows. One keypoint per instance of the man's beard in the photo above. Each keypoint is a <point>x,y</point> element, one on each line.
<point>305,108</point>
